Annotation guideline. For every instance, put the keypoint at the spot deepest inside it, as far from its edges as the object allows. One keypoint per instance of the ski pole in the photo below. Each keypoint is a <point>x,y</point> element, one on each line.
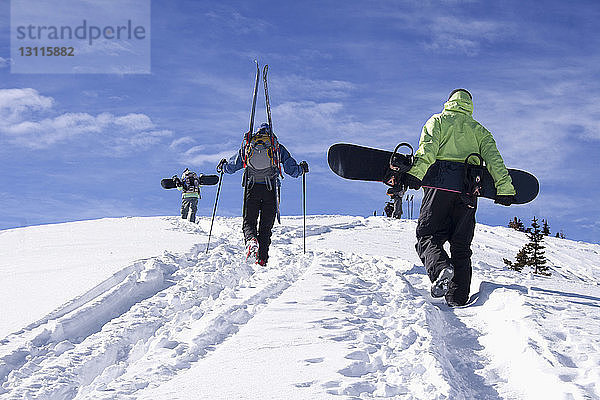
<point>304,207</point>
<point>215,208</point>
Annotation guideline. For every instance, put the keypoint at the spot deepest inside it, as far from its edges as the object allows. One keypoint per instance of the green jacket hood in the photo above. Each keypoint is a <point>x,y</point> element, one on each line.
<point>452,135</point>
<point>459,102</point>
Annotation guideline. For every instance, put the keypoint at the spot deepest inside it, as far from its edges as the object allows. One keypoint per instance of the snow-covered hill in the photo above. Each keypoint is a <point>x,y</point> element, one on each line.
<point>135,308</point>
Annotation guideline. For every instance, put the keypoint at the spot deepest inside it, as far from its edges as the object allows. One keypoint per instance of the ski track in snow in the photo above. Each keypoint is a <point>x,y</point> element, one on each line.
<point>160,316</point>
<point>146,323</point>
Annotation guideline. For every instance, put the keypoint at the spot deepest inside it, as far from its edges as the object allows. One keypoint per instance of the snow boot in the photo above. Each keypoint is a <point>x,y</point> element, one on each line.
<point>440,286</point>
<point>252,249</point>
<point>261,262</point>
<point>454,303</point>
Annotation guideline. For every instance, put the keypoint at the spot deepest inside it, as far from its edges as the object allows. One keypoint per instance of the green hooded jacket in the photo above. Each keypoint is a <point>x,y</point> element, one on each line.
<point>452,135</point>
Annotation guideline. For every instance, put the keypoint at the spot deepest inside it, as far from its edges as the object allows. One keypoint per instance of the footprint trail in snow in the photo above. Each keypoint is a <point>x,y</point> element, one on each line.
<point>350,319</point>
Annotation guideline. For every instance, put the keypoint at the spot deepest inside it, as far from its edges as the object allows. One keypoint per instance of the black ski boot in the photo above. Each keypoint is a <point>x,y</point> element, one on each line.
<point>440,286</point>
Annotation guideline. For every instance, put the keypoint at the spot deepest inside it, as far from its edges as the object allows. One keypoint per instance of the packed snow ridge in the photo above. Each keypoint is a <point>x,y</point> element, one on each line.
<point>135,308</point>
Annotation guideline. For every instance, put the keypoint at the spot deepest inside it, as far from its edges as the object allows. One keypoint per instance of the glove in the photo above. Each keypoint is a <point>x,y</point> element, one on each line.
<point>411,181</point>
<point>505,200</point>
<point>304,167</point>
<point>221,164</point>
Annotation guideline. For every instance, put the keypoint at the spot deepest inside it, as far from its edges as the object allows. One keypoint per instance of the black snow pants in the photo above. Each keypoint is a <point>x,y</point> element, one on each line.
<point>397,207</point>
<point>447,217</point>
<point>260,200</point>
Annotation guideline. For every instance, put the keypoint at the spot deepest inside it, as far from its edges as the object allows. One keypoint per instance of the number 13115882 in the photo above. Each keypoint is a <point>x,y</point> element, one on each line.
<point>47,51</point>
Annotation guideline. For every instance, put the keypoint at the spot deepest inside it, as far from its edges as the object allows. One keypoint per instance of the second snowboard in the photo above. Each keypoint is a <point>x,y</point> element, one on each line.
<point>205,180</point>
<point>367,164</point>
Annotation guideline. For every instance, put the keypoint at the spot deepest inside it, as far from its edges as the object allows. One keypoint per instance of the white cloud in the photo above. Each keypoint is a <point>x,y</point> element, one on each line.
<point>301,87</point>
<point>195,149</point>
<point>21,125</point>
<point>446,28</point>
<point>134,122</point>
<point>107,47</point>
<point>200,155</point>
<point>182,141</point>
<point>313,127</point>
<point>200,159</point>
<point>307,126</point>
<point>236,88</point>
<point>234,22</point>
<point>15,103</point>
<point>552,121</point>
<point>306,129</point>
<point>451,34</point>
<point>44,133</point>
<point>140,140</point>
<point>291,86</point>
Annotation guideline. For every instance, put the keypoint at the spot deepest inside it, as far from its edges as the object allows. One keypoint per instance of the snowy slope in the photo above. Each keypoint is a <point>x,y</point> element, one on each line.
<point>49,265</point>
<point>135,308</point>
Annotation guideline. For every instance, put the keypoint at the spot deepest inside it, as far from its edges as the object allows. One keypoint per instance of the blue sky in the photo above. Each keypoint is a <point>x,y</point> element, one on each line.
<point>81,146</point>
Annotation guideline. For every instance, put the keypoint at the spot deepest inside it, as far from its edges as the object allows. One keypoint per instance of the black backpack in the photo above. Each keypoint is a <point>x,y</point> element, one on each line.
<point>190,182</point>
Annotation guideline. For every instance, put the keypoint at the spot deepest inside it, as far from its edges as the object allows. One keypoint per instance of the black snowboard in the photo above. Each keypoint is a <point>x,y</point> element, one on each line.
<point>205,180</point>
<point>367,164</point>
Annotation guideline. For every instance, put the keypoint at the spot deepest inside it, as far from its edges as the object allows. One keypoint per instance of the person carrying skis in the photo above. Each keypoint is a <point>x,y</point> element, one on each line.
<point>448,216</point>
<point>260,157</point>
<point>189,184</point>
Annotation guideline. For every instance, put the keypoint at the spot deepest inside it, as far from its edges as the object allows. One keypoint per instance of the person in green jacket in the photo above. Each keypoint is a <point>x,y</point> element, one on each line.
<point>189,184</point>
<point>448,216</point>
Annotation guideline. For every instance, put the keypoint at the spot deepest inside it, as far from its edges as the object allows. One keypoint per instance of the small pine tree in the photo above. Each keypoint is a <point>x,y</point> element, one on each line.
<point>545,228</point>
<point>521,260</point>
<point>516,224</point>
<point>537,259</point>
<point>532,254</point>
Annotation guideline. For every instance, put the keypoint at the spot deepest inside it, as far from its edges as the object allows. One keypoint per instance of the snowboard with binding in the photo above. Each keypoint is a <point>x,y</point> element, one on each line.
<point>205,180</point>
<point>355,162</point>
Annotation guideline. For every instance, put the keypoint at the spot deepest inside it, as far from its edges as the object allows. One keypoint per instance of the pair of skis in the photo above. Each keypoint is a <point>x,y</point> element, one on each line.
<point>271,135</point>
<point>268,105</point>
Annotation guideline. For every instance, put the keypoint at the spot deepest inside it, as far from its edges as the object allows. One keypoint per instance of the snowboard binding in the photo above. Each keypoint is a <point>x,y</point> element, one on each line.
<point>473,179</point>
<point>399,164</point>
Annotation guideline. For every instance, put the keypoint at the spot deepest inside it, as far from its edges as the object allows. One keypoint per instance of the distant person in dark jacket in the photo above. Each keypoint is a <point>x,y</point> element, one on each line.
<point>396,195</point>
<point>261,158</point>
<point>388,210</point>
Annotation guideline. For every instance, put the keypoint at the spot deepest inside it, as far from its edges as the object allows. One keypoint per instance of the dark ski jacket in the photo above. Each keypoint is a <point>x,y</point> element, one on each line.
<point>452,135</point>
<point>290,166</point>
<point>187,193</point>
